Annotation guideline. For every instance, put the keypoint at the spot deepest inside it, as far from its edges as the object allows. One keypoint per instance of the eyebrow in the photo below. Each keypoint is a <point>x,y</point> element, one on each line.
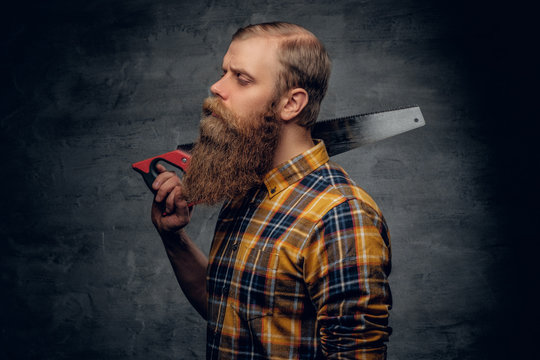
<point>240,70</point>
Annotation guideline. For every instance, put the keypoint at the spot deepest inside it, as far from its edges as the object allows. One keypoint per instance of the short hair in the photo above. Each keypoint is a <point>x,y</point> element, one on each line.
<point>305,63</point>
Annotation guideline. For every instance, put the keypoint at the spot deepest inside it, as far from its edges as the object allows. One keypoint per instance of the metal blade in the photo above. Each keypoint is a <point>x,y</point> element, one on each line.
<point>346,133</point>
<point>343,134</point>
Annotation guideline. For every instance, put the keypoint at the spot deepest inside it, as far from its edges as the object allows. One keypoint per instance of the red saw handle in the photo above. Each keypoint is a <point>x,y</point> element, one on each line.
<point>147,168</point>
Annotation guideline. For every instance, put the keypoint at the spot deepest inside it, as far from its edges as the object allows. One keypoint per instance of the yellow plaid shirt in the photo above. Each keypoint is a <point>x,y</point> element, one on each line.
<point>298,269</point>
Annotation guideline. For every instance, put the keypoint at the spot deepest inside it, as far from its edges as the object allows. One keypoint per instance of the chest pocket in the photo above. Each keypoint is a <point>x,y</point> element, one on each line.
<point>254,281</point>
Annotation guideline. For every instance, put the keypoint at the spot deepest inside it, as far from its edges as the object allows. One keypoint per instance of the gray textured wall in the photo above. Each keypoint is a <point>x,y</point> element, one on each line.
<point>90,87</point>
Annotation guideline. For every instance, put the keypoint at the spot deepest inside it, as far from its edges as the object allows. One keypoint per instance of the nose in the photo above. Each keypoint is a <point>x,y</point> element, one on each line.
<point>218,88</point>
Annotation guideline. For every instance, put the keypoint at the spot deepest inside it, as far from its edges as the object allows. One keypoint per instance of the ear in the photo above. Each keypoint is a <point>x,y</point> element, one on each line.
<point>294,102</point>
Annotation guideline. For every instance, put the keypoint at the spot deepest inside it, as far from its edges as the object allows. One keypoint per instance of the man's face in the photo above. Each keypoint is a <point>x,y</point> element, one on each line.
<point>250,72</point>
<point>239,130</point>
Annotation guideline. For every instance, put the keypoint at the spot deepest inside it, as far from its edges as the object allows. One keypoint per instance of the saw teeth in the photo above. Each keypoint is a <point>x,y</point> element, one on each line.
<point>367,114</point>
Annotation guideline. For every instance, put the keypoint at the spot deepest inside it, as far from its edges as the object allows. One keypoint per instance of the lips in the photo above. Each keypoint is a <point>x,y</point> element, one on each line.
<point>212,107</point>
<point>208,111</point>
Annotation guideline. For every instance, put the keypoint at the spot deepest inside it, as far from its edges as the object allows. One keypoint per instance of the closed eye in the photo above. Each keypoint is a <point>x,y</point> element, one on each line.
<point>242,79</point>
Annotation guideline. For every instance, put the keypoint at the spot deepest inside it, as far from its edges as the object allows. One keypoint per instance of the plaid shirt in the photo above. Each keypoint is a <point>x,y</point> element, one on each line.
<point>299,268</point>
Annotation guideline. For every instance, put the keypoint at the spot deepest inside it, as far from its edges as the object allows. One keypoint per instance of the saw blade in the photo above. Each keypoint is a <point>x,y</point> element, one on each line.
<point>346,133</point>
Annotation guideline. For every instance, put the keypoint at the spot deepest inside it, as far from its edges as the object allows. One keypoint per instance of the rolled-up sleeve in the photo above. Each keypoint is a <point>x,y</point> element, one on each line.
<point>346,268</point>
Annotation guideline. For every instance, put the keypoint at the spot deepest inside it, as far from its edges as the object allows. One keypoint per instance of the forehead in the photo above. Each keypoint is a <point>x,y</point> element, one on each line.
<point>255,55</point>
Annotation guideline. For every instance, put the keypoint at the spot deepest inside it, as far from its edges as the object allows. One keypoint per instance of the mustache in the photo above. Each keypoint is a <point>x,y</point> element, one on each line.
<point>213,107</point>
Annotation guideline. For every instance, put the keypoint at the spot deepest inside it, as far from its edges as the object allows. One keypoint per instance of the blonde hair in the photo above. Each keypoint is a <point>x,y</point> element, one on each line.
<point>305,63</point>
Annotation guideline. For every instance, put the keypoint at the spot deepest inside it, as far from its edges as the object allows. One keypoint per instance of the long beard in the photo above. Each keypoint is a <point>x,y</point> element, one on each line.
<point>232,155</point>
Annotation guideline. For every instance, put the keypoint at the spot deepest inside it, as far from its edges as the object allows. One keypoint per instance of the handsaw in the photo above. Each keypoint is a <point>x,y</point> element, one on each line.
<point>339,135</point>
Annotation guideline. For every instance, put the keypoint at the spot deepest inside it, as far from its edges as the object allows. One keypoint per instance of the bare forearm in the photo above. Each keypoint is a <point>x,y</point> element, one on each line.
<point>170,214</point>
<point>189,265</point>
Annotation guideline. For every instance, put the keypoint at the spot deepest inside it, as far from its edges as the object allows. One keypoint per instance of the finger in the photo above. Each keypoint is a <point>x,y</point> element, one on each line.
<point>163,191</point>
<point>170,202</point>
<point>180,201</point>
<point>160,168</point>
<point>165,188</point>
<point>161,178</point>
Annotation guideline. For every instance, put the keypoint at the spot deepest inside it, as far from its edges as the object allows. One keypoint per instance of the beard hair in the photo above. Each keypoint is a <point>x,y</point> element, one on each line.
<point>232,154</point>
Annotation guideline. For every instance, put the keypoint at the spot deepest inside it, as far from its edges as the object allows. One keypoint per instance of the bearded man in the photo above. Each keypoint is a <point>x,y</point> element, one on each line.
<point>299,263</point>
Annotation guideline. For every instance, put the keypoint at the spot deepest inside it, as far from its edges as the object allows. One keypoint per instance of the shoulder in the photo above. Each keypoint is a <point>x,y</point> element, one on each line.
<point>334,188</point>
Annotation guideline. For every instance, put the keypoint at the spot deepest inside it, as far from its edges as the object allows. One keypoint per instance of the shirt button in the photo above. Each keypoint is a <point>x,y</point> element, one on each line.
<point>225,290</point>
<point>235,246</point>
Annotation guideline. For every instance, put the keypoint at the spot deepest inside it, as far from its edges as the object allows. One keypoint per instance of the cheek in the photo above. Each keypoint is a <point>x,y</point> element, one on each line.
<point>247,107</point>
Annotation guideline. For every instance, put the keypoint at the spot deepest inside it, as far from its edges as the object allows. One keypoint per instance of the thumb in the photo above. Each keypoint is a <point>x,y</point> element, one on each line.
<point>160,168</point>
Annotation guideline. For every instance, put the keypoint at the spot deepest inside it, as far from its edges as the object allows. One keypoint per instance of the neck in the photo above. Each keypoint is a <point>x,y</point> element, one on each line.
<point>294,140</point>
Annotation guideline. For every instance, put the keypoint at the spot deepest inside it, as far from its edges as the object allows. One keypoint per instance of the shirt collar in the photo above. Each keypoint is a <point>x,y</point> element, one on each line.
<point>295,169</point>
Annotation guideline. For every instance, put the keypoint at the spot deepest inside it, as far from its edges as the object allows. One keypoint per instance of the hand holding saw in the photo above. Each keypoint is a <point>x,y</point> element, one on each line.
<point>339,135</point>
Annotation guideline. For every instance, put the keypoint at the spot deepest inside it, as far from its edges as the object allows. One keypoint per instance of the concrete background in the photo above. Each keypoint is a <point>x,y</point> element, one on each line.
<point>90,87</point>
